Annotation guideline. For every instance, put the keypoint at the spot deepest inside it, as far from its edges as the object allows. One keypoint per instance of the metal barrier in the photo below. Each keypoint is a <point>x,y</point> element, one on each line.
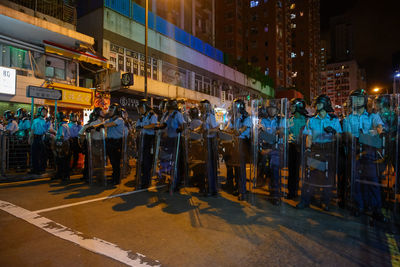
<point>14,154</point>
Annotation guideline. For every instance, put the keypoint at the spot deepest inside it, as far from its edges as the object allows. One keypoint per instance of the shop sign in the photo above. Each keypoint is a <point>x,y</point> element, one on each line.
<point>77,97</point>
<point>43,93</point>
<point>7,81</point>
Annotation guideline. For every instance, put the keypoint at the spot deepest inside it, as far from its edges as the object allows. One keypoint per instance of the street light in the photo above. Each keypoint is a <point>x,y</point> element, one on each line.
<point>145,47</point>
<point>376,90</point>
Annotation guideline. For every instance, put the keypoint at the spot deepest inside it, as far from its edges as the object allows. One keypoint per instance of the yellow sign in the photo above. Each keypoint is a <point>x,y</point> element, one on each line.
<point>74,95</point>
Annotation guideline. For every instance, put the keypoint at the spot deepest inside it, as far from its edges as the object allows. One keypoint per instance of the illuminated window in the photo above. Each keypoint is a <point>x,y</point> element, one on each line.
<point>292,6</point>
<point>254,3</point>
<point>293,55</point>
<point>301,14</point>
<point>292,16</point>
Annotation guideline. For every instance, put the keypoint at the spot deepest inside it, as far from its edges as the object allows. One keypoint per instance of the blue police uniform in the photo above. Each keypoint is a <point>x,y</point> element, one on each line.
<point>24,124</point>
<point>62,156</point>
<point>174,120</point>
<point>194,124</point>
<point>148,145</point>
<point>74,129</point>
<point>323,149</point>
<point>244,150</point>
<point>270,126</point>
<point>39,128</point>
<point>114,146</point>
<point>12,126</point>
<point>366,187</point>
<point>211,123</point>
<point>295,127</point>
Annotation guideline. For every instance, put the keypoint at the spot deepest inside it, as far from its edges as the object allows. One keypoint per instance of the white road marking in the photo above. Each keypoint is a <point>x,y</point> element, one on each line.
<point>93,244</point>
<point>96,199</point>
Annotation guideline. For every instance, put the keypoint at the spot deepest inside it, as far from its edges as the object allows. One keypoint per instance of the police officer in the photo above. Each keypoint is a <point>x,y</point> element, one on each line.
<point>321,132</point>
<point>147,122</point>
<point>210,128</point>
<point>38,129</point>
<point>296,124</point>
<point>243,130</point>
<point>24,125</point>
<point>271,126</point>
<point>12,125</point>
<point>74,128</point>
<point>231,182</point>
<point>98,143</point>
<point>358,125</point>
<point>195,125</point>
<point>62,147</point>
<point>162,110</point>
<point>174,121</point>
<point>115,132</point>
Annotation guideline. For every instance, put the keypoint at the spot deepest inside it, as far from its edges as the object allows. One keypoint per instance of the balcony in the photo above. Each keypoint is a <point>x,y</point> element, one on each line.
<point>53,8</point>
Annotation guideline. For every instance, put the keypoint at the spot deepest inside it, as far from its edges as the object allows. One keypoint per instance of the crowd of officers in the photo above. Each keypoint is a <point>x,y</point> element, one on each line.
<point>317,144</point>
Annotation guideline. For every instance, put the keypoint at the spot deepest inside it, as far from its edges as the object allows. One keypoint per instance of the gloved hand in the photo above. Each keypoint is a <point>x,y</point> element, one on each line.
<point>98,128</point>
<point>330,130</point>
<point>179,130</point>
<point>163,126</point>
<point>89,129</point>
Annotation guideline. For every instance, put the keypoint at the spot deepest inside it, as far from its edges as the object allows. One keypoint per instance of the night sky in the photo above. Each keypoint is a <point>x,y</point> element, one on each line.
<point>376,28</point>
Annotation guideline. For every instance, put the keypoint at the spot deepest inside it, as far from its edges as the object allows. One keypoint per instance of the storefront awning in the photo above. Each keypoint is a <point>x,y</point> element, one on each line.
<point>73,96</point>
<point>61,50</point>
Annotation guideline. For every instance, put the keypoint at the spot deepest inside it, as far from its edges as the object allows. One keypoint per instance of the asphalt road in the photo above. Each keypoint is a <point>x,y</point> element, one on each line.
<point>47,223</point>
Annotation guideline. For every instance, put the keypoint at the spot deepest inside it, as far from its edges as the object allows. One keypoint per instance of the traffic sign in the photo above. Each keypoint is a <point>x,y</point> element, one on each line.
<point>43,93</point>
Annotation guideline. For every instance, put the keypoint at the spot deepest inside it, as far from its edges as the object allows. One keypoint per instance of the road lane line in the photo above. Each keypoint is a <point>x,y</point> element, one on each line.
<point>4,184</point>
<point>394,250</point>
<point>93,244</point>
<point>96,199</point>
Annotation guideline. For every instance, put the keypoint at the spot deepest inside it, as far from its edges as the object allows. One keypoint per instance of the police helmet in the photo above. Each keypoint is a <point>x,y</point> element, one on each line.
<point>300,106</point>
<point>172,104</point>
<point>144,103</point>
<point>194,113</point>
<point>8,115</point>
<point>181,103</point>
<point>116,108</point>
<point>383,101</point>
<point>240,105</point>
<point>358,93</point>
<point>61,116</point>
<point>40,109</point>
<point>96,113</point>
<point>73,116</point>
<point>21,113</point>
<point>262,111</point>
<point>326,101</point>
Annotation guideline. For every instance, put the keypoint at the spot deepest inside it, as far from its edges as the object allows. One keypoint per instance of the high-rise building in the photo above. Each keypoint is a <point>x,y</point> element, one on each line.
<point>196,17</point>
<point>339,79</point>
<point>282,38</point>
<point>306,47</point>
<point>341,34</point>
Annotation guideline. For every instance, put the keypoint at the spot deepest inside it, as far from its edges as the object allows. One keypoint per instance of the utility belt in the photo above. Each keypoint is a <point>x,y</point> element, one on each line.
<point>38,136</point>
<point>323,147</point>
<point>114,142</point>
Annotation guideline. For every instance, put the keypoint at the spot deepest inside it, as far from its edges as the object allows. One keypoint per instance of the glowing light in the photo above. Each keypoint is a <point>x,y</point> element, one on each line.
<point>376,89</point>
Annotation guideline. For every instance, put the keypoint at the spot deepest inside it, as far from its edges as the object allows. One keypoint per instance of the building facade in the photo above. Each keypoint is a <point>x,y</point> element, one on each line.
<point>41,47</point>
<point>179,64</point>
<point>339,79</point>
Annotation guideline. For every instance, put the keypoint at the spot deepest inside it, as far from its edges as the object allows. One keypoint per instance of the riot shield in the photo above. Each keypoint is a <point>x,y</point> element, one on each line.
<point>319,163</point>
<point>124,155</point>
<point>196,159</point>
<point>373,146</point>
<point>139,160</point>
<point>273,148</point>
<point>166,159</point>
<point>254,146</point>
<point>96,153</point>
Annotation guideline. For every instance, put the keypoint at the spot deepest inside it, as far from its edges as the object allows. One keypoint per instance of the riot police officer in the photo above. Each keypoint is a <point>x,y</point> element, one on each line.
<point>12,125</point>
<point>38,129</point>
<point>362,129</point>
<point>115,132</point>
<point>147,122</point>
<point>22,138</point>
<point>24,123</point>
<point>210,128</point>
<point>321,146</point>
<point>243,129</point>
<point>296,124</point>
<point>270,136</point>
<point>98,143</point>
<point>74,128</point>
<point>174,123</point>
<point>62,147</point>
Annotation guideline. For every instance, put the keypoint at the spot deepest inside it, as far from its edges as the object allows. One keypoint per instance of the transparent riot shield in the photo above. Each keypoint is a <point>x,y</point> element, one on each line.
<point>97,160</point>
<point>273,149</point>
<point>319,162</point>
<point>124,154</point>
<point>139,160</point>
<point>252,160</point>
<point>166,159</point>
<point>196,159</point>
<point>372,130</point>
